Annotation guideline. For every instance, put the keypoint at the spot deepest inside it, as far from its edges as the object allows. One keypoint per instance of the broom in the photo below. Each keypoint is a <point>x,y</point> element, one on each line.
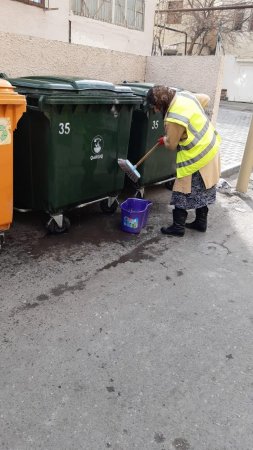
<point>130,169</point>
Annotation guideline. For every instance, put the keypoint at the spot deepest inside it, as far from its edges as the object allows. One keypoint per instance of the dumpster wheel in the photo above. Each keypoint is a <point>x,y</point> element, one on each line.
<point>169,184</point>
<point>54,228</point>
<point>108,208</point>
<point>139,193</point>
<point>2,239</point>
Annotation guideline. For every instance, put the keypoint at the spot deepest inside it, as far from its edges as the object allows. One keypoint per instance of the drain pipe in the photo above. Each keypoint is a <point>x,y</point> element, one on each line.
<point>70,32</point>
<point>177,31</point>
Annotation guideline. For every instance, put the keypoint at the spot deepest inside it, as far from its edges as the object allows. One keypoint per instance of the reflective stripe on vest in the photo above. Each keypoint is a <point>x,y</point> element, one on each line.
<point>197,134</point>
<point>187,95</point>
<point>199,156</point>
<point>202,141</point>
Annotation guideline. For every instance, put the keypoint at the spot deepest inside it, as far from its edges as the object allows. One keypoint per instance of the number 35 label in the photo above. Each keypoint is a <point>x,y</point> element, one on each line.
<point>64,128</point>
<point>155,124</point>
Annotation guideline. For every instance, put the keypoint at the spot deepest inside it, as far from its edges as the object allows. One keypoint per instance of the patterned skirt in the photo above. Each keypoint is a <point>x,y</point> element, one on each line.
<point>199,196</point>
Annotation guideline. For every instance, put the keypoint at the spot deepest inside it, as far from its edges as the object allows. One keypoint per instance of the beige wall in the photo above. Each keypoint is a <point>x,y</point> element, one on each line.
<point>194,73</point>
<point>22,55</point>
<point>29,20</point>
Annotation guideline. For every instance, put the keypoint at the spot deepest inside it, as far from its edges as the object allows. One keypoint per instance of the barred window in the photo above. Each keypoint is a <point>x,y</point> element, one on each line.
<point>126,13</point>
<point>175,17</point>
<point>41,3</point>
<point>97,9</point>
<point>238,20</point>
<point>120,13</point>
<point>251,22</point>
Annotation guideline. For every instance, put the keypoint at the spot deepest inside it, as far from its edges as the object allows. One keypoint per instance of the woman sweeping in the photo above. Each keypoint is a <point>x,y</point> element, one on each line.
<point>190,133</point>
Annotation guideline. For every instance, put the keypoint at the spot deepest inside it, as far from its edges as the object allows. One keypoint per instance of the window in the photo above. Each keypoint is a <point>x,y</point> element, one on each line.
<point>120,13</point>
<point>238,20</point>
<point>175,17</point>
<point>251,23</point>
<point>96,9</point>
<point>135,14</point>
<point>126,13</point>
<point>41,3</point>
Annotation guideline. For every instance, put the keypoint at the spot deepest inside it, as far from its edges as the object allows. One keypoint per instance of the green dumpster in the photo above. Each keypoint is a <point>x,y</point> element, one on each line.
<point>67,145</point>
<point>146,127</point>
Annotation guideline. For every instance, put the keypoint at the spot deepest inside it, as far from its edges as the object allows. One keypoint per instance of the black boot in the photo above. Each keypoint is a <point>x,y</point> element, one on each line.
<point>200,223</point>
<point>178,226</point>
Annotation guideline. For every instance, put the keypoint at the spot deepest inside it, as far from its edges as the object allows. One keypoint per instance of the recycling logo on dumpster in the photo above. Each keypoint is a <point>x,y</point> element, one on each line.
<point>97,147</point>
<point>5,131</point>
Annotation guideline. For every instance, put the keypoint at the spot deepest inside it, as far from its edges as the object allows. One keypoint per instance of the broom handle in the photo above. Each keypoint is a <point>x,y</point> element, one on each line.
<point>147,154</point>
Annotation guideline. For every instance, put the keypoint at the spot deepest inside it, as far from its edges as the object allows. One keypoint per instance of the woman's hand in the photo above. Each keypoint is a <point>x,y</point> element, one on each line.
<point>174,133</point>
<point>161,140</point>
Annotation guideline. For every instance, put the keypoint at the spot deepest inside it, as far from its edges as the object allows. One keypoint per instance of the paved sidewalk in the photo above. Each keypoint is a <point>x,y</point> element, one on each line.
<point>238,106</point>
<point>233,126</point>
<point>113,341</point>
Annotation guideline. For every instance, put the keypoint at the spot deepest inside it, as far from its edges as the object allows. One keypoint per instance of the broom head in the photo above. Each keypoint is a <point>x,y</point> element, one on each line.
<point>129,169</point>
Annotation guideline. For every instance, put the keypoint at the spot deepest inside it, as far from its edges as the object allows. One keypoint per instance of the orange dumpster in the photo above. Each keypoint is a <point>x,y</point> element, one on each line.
<point>12,106</point>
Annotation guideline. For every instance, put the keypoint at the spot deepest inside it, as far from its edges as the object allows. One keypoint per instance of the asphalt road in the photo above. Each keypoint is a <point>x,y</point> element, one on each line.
<point>121,341</point>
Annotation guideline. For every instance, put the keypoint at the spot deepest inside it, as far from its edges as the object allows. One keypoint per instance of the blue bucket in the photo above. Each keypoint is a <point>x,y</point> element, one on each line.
<point>134,214</point>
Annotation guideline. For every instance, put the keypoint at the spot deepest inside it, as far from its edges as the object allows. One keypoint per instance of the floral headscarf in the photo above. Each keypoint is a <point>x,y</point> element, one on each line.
<point>161,97</point>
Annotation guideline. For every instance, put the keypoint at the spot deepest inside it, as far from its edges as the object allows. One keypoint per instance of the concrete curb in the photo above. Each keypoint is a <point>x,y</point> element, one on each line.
<point>230,171</point>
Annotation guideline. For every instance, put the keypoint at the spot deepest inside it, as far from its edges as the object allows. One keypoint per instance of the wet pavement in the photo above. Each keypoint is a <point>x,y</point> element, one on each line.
<point>121,341</point>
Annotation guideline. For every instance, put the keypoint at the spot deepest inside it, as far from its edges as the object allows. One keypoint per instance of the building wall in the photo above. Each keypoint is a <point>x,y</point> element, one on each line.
<point>104,35</point>
<point>241,46</point>
<point>237,43</point>
<point>194,73</point>
<point>29,20</point>
<point>238,79</point>
<point>23,55</point>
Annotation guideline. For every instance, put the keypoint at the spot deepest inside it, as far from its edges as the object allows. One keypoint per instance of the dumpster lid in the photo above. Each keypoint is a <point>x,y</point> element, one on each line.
<point>141,89</point>
<point>51,83</point>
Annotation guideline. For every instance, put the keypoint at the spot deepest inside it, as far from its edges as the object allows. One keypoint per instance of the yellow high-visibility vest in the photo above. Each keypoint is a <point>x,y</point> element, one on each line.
<point>202,142</point>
